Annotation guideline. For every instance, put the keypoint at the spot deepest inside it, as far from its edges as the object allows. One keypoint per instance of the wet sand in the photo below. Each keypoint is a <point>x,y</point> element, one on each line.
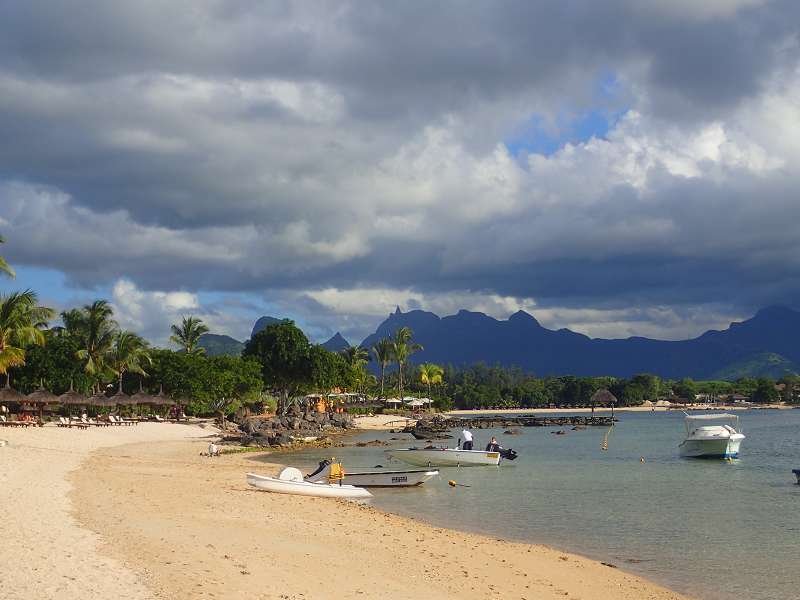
<point>190,527</point>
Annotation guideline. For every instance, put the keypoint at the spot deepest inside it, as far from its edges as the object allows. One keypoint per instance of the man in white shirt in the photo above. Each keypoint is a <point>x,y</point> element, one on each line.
<point>467,435</point>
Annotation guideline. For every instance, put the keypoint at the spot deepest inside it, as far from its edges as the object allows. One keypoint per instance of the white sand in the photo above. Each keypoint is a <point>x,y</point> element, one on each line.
<point>43,552</point>
<point>382,422</point>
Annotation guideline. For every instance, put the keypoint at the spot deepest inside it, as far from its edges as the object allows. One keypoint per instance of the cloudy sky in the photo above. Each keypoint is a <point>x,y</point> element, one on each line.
<point>623,167</point>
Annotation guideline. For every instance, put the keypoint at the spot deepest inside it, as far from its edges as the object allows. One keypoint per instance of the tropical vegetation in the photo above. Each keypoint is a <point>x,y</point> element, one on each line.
<point>22,321</point>
<point>187,335</point>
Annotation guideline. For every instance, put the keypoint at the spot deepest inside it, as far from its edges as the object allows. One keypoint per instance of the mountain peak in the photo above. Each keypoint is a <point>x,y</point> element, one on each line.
<point>523,317</point>
<point>264,322</point>
<point>336,344</point>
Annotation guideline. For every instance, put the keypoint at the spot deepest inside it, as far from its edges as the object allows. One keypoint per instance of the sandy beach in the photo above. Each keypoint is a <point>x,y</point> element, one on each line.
<point>138,513</point>
<point>45,553</point>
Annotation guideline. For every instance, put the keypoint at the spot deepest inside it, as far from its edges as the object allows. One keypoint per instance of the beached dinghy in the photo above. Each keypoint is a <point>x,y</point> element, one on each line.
<point>290,481</point>
<point>374,478</point>
<point>450,457</point>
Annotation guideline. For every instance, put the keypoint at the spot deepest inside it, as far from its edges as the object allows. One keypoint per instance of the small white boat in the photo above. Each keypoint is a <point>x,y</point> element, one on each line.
<point>447,457</point>
<point>290,481</point>
<point>705,439</point>
<point>797,474</point>
<point>374,478</point>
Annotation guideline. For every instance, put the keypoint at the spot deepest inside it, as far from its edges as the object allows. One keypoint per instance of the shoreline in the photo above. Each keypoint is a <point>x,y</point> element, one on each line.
<point>623,409</point>
<point>201,532</point>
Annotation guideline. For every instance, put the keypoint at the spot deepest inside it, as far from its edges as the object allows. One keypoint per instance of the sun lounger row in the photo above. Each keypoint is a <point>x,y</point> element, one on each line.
<point>6,423</point>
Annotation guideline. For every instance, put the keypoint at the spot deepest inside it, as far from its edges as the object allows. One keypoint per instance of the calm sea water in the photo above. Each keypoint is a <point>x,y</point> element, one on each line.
<point>711,528</point>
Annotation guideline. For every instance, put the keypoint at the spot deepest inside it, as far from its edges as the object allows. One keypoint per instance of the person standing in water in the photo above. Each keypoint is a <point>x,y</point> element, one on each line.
<point>467,434</point>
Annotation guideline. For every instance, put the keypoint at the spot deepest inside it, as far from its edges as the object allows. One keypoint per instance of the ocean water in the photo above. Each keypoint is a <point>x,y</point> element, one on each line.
<point>711,528</point>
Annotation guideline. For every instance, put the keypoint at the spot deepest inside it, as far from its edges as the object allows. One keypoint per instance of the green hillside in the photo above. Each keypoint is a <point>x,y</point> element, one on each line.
<point>219,345</point>
<point>763,364</point>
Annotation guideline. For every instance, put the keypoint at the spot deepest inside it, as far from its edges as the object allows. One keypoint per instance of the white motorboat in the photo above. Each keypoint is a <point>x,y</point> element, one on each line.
<point>449,457</point>
<point>374,478</point>
<point>797,474</point>
<point>712,436</point>
<point>290,481</point>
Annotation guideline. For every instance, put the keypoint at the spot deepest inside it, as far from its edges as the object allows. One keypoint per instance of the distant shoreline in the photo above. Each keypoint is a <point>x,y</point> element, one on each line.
<point>629,409</point>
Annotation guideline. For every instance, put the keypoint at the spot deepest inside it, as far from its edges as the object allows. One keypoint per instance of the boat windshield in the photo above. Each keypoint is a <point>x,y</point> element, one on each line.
<point>695,421</point>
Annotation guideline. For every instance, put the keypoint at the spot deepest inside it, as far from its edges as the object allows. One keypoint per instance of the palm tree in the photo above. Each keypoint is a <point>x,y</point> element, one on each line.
<point>129,353</point>
<point>402,349</point>
<point>383,354</point>
<point>96,330</point>
<point>355,356</point>
<point>430,374</point>
<point>187,335</point>
<point>4,266</point>
<point>21,324</point>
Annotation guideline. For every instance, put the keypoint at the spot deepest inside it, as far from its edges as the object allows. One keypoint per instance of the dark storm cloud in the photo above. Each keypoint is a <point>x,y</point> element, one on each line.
<point>246,146</point>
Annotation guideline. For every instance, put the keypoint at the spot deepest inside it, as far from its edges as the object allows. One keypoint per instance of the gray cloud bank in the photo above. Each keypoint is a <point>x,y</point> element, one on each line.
<point>310,151</point>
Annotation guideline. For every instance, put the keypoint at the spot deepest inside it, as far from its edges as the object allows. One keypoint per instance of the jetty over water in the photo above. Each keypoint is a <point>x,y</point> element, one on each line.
<point>490,421</point>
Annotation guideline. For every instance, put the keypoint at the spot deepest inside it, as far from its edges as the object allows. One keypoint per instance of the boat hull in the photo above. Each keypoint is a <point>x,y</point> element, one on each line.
<point>445,457</point>
<point>305,488</point>
<point>389,478</point>
<point>712,448</point>
<point>797,474</point>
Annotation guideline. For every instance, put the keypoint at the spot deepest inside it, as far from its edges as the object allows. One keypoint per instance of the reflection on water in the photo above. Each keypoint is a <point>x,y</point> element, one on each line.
<point>712,528</point>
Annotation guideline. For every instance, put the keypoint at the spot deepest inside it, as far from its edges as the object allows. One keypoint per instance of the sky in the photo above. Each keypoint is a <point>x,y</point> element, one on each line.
<point>619,168</point>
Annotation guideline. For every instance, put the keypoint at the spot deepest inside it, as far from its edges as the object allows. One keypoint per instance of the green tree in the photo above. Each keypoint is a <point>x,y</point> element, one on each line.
<point>765,391</point>
<point>284,354</point>
<point>402,349</point>
<point>53,365</point>
<point>94,327</point>
<point>4,266</point>
<point>21,323</point>
<point>129,353</point>
<point>187,335</point>
<point>685,388</point>
<point>383,354</point>
<point>328,369</point>
<point>430,374</point>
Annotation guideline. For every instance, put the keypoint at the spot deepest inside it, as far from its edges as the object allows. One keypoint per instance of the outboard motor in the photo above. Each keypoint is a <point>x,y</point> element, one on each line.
<point>318,475</point>
<point>508,454</point>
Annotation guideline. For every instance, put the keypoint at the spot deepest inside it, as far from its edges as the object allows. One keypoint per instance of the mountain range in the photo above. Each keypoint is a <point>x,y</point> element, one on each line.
<point>753,347</point>
<point>767,344</point>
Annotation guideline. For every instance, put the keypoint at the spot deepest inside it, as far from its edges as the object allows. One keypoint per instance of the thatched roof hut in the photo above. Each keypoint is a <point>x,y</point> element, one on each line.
<point>99,399</point>
<point>603,396</point>
<point>42,397</point>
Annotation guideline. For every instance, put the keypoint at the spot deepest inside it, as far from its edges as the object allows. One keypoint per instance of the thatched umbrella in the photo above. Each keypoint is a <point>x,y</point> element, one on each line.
<point>41,398</point>
<point>72,398</point>
<point>143,398</point>
<point>10,395</point>
<point>604,397</point>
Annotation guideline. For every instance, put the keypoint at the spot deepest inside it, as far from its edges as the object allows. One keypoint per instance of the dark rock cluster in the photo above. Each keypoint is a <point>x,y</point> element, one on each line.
<point>294,426</point>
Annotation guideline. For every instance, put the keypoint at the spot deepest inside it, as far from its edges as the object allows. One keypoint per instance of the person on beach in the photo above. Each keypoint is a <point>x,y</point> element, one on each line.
<point>467,434</point>
<point>493,446</point>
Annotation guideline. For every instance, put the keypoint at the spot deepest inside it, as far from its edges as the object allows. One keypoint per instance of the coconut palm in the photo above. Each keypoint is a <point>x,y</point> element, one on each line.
<point>95,329</point>
<point>21,324</point>
<point>4,266</point>
<point>430,374</point>
<point>402,349</point>
<point>129,353</point>
<point>187,335</point>
<point>383,354</point>
<point>356,356</point>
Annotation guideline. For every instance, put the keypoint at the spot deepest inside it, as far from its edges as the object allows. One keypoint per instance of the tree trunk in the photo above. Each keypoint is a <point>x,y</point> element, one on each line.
<point>400,380</point>
<point>383,370</point>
